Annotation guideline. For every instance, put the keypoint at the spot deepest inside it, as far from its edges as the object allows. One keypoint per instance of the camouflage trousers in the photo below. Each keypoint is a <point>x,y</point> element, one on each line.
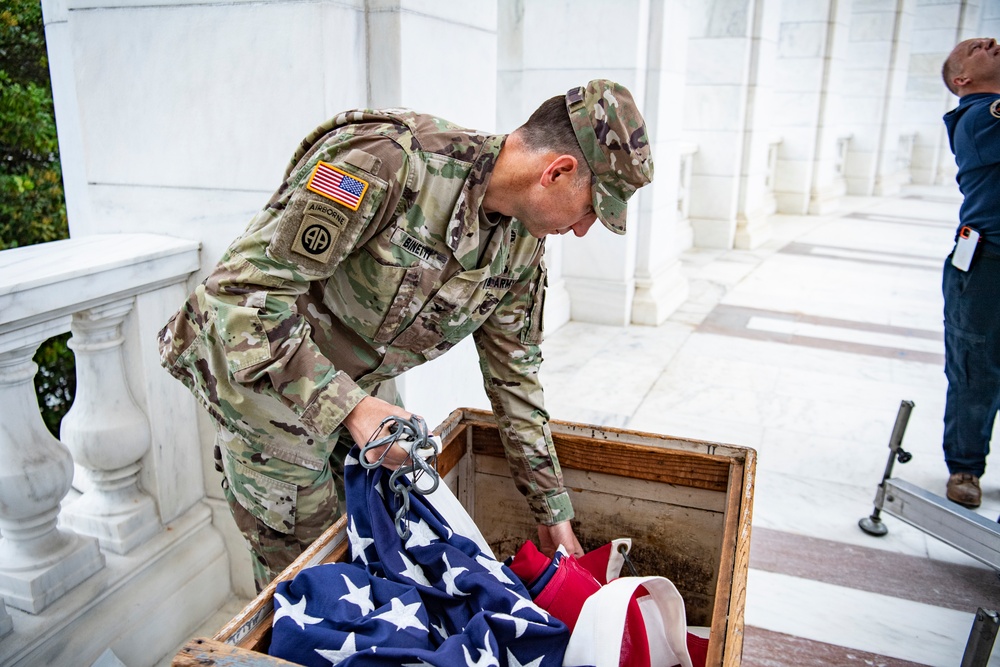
<point>279,507</point>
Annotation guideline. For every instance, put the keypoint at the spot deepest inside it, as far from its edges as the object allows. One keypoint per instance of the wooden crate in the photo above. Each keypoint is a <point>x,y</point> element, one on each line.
<point>686,504</point>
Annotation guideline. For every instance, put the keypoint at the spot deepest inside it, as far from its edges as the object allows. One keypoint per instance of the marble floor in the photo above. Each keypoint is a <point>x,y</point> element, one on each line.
<point>803,349</point>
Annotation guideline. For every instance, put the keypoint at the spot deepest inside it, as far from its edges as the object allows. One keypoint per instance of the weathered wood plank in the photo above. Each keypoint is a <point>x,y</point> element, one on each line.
<point>204,652</point>
<point>621,435</point>
<point>452,451</point>
<point>656,464</point>
<point>587,480</point>
<point>741,564</point>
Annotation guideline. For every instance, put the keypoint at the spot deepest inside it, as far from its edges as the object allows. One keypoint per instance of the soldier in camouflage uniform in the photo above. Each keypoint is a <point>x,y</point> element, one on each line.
<point>393,236</point>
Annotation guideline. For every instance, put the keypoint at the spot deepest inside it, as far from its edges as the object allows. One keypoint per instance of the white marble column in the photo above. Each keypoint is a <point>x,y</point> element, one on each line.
<point>874,89</point>
<point>756,201</point>
<point>811,44</point>
<point>659,284</point>
<point>108,435</point>
<point>833,140</point>
<point>727,106</point>
<point>39,562</point>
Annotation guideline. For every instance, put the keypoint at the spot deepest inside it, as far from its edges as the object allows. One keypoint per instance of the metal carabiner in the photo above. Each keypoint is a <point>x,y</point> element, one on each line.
<point>421,449</point>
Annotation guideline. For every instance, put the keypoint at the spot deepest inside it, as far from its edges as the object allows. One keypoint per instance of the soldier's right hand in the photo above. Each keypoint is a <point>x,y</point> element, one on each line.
<point>363,423</point>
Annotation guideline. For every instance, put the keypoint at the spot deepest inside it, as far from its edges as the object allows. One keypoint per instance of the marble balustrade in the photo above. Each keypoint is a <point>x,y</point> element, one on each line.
<point>112,292</point>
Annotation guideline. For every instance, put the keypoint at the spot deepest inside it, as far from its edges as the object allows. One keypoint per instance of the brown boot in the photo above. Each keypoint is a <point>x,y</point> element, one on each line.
<point>963,488</point>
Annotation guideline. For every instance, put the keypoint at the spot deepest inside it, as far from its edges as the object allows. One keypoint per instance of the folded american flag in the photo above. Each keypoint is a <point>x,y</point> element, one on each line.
<point>433,599</point>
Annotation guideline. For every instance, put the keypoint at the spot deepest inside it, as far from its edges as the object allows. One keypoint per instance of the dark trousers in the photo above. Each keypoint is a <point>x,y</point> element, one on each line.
<point>972,361</point>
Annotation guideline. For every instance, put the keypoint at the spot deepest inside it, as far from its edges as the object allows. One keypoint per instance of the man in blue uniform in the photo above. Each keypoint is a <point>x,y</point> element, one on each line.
<point>971,281</point>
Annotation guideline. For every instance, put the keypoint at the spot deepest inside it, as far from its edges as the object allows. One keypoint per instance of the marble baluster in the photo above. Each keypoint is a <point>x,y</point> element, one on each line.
<point>6,624</point>
<point>39,561</point>
<point>108,435</point>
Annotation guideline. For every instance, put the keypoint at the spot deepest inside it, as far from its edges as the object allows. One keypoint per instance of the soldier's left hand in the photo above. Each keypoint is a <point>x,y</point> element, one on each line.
<point>550,537</point>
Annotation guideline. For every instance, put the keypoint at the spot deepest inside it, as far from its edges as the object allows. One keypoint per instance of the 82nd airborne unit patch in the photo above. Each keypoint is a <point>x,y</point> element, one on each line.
<point>321,225</point>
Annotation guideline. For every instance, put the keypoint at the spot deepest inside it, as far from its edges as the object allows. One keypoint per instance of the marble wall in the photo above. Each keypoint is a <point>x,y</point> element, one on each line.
<point>188,112</point>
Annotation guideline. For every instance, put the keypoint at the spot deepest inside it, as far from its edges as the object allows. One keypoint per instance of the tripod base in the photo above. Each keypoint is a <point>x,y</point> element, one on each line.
<point>873,526</point>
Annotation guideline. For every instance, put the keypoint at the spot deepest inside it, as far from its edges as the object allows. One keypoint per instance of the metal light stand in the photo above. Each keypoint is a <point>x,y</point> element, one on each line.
<point>873,524</point>
<point>949,522</point>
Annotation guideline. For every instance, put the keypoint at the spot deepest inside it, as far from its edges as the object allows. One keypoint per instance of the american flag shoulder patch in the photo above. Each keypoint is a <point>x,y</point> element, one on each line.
<point>338,185</point>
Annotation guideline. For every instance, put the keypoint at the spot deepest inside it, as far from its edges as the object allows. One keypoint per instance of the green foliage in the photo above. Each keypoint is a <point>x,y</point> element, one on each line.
<point>55,382</point>
<point>32,206</point>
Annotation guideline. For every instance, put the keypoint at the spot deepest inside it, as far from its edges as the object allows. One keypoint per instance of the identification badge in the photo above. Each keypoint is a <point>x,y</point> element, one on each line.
<point>965,248</point>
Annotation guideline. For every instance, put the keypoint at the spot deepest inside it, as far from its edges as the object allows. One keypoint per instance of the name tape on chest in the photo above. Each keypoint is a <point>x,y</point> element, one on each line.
<point>499,282</point>
<point>337,185</point>
<point>418,248</point>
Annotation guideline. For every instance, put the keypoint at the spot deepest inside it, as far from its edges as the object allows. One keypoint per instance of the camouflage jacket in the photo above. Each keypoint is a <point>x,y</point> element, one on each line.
<point>373,257</point>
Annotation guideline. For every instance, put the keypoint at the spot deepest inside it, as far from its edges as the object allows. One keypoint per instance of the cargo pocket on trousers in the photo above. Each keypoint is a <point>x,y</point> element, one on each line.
<point>964,351</point>
<point>268,499</point>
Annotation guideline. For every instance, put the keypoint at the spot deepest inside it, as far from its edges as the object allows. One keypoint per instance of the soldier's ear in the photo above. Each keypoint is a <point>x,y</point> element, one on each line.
<point>562,166</point>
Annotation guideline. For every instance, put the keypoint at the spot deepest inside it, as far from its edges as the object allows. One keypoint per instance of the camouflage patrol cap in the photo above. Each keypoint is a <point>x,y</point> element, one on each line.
<point>612,135</point>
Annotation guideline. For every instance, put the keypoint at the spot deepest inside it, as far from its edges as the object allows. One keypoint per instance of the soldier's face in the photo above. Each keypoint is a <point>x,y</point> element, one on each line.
<point>560,210</point>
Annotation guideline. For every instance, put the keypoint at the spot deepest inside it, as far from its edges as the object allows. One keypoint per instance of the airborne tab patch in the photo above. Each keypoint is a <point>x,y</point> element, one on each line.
<point>338,185</point>
<point>327,212</point>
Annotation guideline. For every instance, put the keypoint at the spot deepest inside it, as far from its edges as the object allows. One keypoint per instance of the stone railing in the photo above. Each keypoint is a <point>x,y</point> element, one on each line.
<point>132,440</point>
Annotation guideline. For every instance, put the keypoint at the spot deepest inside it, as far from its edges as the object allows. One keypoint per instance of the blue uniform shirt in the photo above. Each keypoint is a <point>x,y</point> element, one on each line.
<point>974,133</point>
